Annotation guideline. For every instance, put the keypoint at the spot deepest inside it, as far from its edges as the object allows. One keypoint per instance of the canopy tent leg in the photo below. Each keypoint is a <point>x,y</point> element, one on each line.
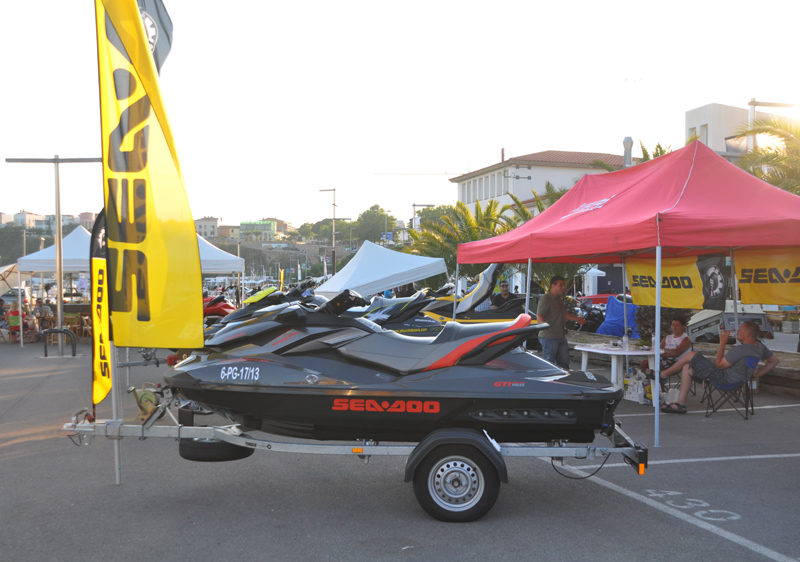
<point>655,386</point>
<point>735,298</point>
<point>455,294</point>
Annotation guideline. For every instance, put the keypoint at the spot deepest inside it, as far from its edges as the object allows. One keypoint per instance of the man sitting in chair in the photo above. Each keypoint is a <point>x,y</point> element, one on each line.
<point>730,368</point>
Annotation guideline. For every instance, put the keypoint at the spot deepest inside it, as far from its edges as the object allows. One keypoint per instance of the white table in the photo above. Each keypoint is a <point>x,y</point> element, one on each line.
<point>615,352</point>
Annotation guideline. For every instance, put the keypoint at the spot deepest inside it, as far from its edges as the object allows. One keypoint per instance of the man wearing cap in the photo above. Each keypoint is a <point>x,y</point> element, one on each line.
<point>551,310</point>
<point>503,296</point>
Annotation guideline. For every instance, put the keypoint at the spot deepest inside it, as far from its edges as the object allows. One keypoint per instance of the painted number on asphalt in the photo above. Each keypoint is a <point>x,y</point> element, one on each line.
<point>691,503</point>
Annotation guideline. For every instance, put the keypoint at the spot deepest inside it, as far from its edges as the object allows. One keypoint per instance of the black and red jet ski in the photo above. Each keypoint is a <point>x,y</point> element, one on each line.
<point>308,372</point>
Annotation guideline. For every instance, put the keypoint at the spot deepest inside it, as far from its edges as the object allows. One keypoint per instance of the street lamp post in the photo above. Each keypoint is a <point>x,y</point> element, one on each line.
<point>386,227</point>
<point>751,140</point>
<point>627,158</point>
<point>59,258</point>
<point>414,216</point>
<point>333,229</point>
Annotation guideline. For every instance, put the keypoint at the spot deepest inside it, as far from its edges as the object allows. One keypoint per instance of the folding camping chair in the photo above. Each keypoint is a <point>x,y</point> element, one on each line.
<point>738,395</point>
<point>666,384</point>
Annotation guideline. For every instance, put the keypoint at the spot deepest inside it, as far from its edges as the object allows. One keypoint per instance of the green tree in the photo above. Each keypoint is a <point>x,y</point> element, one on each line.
<point>777,166</point>
<point>371,223</point>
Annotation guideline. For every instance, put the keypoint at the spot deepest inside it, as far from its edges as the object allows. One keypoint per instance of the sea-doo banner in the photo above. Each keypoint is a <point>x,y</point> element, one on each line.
<point>153,261</point>
<point>768,277</point>
<point>695,282</point>
<point>101,356</point>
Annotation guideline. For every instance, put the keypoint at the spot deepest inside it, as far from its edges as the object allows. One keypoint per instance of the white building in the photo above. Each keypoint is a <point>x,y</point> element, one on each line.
<point>716,126</point>
<point>26,219</point>
<point>522,175</point>
<point>207,227</point>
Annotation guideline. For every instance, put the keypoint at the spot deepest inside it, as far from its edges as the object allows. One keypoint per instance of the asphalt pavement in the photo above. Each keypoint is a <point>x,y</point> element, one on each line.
<point>717,488</point>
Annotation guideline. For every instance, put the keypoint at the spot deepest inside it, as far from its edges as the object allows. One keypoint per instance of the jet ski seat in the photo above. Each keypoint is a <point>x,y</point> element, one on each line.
<point>408,354</point>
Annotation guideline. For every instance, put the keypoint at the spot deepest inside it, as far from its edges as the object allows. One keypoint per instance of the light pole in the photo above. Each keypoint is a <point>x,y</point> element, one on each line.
<point>627,159</point>
<point>414,216</point>
<point>386,227</point>
<point>333,229</point>
<point>751,140</point>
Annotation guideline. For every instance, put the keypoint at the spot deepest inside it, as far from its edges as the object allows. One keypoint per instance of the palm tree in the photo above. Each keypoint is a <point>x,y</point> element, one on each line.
<point>777,166</point>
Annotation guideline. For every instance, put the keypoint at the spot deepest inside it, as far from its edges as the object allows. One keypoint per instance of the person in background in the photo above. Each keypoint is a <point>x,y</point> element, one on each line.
<point>43,314</point>
<point>729,368</point>
<point>551,309</point>
<point>674,346</point>
<point>503,296</point>
<point>17,319</point>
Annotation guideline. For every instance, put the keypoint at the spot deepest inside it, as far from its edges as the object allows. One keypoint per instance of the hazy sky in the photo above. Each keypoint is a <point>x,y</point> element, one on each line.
<point>270,102</point>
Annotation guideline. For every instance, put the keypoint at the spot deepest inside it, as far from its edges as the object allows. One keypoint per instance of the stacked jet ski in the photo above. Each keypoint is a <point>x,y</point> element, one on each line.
<point>299,370</point>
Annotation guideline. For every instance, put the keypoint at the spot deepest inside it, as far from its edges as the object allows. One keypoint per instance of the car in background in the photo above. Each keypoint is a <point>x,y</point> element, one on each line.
<point>13,295</point>
<point>599,301</point>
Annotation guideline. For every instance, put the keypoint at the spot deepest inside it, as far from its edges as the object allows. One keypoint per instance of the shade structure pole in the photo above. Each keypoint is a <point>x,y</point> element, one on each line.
<point>655,386</point>
<point>455,294</point>
<point>625,309</point>
<point>735,298</point>
<point>21,310</point>
<point>528,289</point>
<point>115,413</point>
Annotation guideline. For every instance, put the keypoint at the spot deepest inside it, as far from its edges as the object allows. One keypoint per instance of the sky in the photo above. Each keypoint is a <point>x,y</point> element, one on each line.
<point>270,102</point>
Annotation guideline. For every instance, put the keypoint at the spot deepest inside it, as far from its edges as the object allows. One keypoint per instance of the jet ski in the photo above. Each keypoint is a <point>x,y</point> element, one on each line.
<point>301,371</point>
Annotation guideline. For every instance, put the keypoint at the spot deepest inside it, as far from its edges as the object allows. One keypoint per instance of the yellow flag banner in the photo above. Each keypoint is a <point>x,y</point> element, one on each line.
<point>768,277</point>
<point>692,282</point>
<point>100,333</point>
<point>154,280</point>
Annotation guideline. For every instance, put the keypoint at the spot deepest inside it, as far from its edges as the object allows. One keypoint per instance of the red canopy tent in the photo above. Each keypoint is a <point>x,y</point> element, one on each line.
<point>688,202</point>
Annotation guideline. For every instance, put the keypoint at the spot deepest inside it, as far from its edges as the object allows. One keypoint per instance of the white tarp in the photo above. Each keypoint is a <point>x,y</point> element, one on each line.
<point>75,251</point>
<point>214,260</point>
<point>374,269</point>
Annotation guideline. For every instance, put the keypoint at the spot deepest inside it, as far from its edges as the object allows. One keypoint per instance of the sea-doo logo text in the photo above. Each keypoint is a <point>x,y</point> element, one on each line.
<point>764,275</point>
<point>586,207</point>
<point>369,405</point>
<point>673,282</point>
<point>509,383</point>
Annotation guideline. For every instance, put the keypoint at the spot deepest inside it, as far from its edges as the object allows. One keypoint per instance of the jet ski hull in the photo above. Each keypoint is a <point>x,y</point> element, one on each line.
<point>517,397</point>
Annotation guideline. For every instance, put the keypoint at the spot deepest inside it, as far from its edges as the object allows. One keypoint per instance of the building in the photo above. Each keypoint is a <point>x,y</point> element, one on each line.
<point>264,230</point>
<point>523,175</point>
<point>6,218</point>
<point>87,220</point>
<point>207,227</point>
<point>716,126</point>
<point>26,219</point>
<point>281,227</point>
<point>230,231</point>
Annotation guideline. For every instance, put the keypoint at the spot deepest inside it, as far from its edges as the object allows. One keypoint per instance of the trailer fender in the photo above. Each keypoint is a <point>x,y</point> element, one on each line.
<point>456,437</point>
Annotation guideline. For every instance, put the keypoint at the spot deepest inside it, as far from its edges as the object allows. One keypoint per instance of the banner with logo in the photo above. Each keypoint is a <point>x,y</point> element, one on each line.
<point>154,281</point>
<point>692,282</point>
<point>101,332</point>
<point>768,277</point>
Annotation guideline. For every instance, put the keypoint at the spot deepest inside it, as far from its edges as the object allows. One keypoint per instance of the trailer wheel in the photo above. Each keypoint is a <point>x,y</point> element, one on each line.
<point>212,450</point>
<point>456,483</point>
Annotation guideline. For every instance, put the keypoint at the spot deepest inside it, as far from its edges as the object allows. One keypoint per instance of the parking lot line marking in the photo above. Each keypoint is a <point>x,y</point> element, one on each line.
<point>734,538</point>
<point>708,459</point>
<point>703,411</point>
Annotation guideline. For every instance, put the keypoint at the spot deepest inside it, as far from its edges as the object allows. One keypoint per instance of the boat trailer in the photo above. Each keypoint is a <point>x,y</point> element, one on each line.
<point>455,472</point>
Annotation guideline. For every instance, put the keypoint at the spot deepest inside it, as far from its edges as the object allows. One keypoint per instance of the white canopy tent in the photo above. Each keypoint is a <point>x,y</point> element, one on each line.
<point>374,269</point>
<point>75,252</point>
<point>75,248</point>
<point>214,260</point>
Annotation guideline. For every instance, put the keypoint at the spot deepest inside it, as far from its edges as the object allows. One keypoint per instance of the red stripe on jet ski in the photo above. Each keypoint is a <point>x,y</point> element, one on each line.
<point>452,358</point>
